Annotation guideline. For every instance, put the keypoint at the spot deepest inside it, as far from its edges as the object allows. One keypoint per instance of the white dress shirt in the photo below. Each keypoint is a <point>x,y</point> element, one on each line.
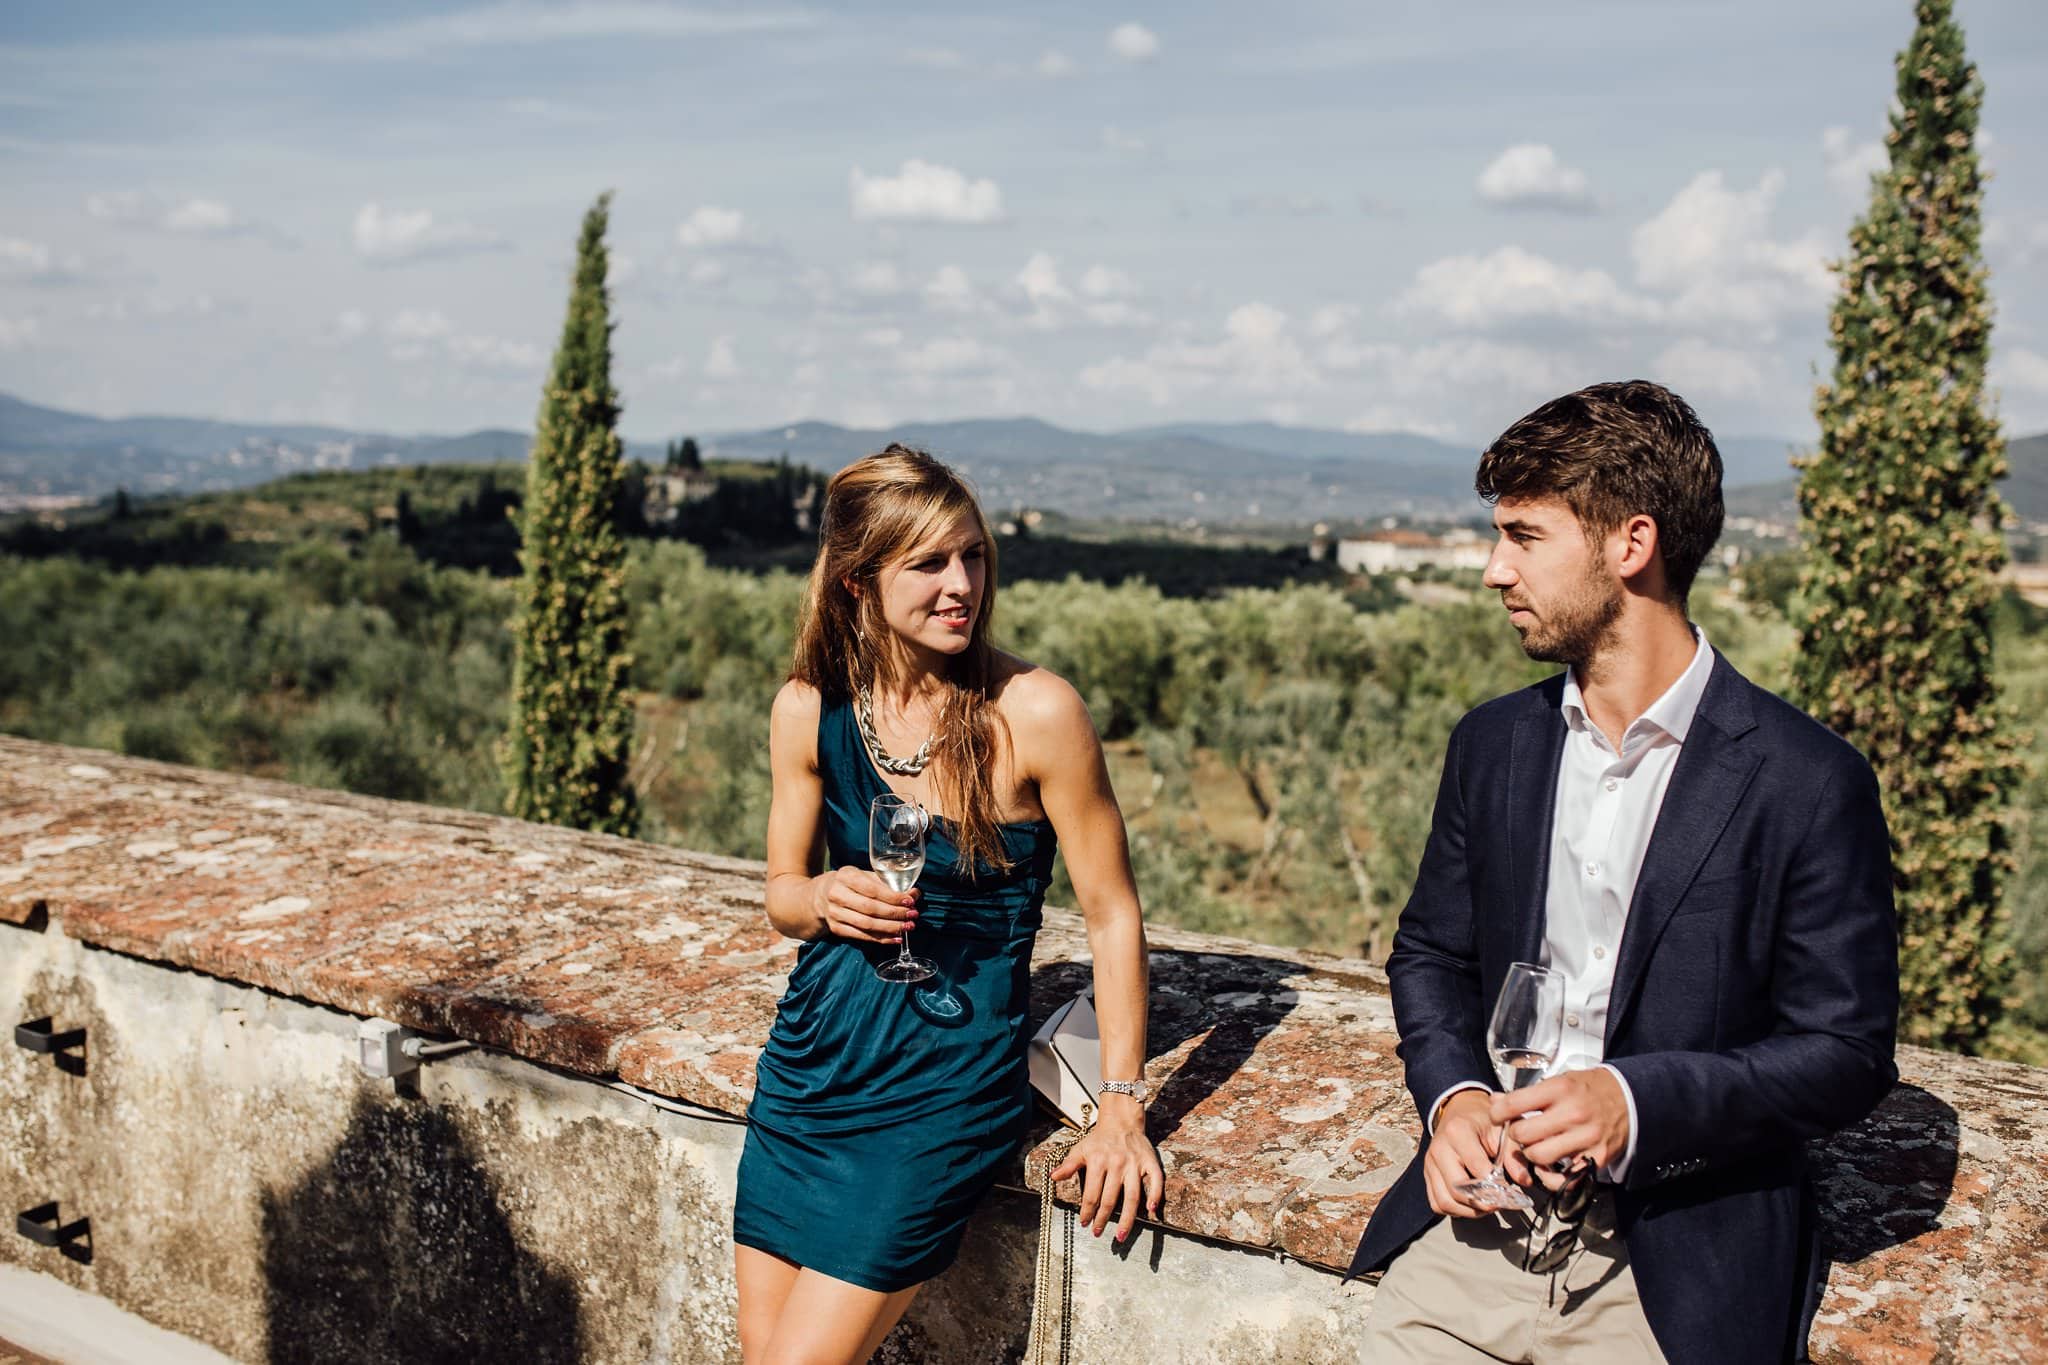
<point>1607,805</point>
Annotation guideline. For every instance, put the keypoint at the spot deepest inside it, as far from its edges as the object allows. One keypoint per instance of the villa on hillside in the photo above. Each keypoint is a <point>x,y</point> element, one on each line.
<point>1403,550</point>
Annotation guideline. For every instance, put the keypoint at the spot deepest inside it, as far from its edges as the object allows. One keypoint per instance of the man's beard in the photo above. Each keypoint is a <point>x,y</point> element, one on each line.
<point>1573,630</point>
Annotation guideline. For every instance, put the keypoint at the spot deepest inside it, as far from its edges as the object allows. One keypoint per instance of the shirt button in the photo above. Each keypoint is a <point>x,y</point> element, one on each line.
<point>1612,784</point>
<point>1599,950</point>
<point>1592,869</point>
<point>1571,1021</point>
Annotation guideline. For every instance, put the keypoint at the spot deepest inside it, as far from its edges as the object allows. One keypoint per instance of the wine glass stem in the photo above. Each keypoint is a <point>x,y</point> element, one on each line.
<point>1500,1153</point>
<point>903,947</point>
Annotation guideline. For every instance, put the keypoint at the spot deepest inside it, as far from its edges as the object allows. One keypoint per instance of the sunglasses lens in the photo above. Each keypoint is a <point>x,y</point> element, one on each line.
<point>1573,1200</point>
<point>1555,1252</point>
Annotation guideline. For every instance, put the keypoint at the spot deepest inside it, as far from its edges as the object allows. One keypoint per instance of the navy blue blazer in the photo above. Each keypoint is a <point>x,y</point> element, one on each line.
<point>1754,1003</point>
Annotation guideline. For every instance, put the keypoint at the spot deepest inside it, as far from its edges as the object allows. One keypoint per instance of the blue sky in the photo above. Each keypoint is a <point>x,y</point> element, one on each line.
<point>1381,216</point>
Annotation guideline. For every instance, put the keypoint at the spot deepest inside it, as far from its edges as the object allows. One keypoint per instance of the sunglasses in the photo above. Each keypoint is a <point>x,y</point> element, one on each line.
<point>1568,1206</point>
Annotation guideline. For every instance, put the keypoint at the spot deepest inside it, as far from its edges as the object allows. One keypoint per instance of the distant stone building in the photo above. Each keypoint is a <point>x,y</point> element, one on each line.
<point>1401,550</point>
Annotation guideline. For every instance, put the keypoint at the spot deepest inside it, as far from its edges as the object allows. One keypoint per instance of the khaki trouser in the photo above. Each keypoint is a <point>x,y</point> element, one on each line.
<point>1459,1293</point>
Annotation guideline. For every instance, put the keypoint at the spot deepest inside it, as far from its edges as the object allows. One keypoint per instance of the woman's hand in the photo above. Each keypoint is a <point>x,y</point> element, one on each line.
<point>1122,1170</point>
<point>851,902</point>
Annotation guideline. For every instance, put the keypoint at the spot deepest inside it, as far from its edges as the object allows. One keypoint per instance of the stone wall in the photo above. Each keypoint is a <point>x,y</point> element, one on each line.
<point>563,1192</point>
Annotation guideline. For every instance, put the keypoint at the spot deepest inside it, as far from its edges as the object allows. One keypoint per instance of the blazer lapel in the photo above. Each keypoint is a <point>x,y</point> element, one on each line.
<point>1713,772</point>
<point>1533,756</point>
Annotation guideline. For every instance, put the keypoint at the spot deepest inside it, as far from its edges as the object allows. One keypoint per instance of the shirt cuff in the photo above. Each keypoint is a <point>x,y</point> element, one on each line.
<point>1429,1119</point>
<point>1615,1172</point>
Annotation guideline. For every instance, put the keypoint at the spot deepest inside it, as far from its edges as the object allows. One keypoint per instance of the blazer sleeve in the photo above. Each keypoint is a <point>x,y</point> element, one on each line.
<point>1834,993</point>
<point>1433,970</point>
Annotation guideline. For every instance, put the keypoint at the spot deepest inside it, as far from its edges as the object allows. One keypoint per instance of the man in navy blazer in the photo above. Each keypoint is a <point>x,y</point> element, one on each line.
<point>1708,871</point>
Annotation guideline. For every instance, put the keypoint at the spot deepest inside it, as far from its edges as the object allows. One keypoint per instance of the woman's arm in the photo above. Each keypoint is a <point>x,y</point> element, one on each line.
<point>803,904</point>
<point>1058,747</point>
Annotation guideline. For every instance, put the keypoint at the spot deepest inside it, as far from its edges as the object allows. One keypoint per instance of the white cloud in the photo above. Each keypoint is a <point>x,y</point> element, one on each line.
<point>882,338</point>
<point>949,355</point>
<point>190,216</point>
<point>521,23</point>
<point>1511,285</point>
<point>1331,319</point>
<point>1850,163</point>
<point>1297,205</point>
<point>620,269</point>
<point>950,291</point>
<point>706,274</point>
<point>935,58</point>
<point>2022,242</point>
<point>18,333</point>
<point>349,324</point>
<point>2022,369</point>
<point>722,361</point>
<point>121,206</point>
<point>207,217</point>
<point>1040,282</point>
<point>390,236</point>
<point>1133,42</point>
<point>1695,366</point>
<point>1056,66</point>
<point>1101,282</point>
<point>924,192</point>
<point>1124,143</point>
<point>1383,417</point>
<point>1256,354</point>
<point>876,279</point>
<point>37,263</point>
<point>1529,175</point>
<point>413,334</point>
<point>495,353</point>
<point>1712,246</point>
<point>668,371</point>
<point>711,226</point>
<point>1104,299</point>
<point>159,308</point>
<point>419,324</point>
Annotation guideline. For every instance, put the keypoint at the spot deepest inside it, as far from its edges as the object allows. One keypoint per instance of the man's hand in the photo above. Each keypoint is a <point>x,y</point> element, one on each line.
<point>1581,1113</point>
<point>1460,1150</point>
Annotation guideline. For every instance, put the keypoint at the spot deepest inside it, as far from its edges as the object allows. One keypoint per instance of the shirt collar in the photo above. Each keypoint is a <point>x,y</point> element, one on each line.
<point>1671,713</point>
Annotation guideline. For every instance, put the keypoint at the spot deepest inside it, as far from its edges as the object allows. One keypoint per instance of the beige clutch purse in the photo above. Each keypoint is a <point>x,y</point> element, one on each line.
<point>1066,1061</point>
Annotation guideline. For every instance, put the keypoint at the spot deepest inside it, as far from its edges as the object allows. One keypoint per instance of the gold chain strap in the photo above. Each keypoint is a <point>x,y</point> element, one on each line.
<point>1051,1321</point>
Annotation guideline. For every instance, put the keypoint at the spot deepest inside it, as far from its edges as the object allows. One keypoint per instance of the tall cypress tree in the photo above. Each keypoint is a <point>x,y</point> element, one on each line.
<point>571,736</point>
<point>1902,523</point>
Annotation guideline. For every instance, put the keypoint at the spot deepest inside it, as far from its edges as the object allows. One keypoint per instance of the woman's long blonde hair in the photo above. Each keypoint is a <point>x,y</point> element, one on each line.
<point>877,510</point>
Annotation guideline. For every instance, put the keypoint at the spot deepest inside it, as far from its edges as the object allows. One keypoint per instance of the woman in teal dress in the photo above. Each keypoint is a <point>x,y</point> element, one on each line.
<point>883,1111</point>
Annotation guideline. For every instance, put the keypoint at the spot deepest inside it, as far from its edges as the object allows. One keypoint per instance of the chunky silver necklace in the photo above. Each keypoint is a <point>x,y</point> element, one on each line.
<point>864,717</point>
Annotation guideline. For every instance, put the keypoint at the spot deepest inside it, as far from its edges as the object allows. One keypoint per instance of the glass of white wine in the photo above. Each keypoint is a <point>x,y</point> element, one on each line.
<point>896,830</point>
<point>1523,1038</point>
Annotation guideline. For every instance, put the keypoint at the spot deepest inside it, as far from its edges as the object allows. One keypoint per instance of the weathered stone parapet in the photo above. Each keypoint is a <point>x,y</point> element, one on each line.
<point>1279,1108</point>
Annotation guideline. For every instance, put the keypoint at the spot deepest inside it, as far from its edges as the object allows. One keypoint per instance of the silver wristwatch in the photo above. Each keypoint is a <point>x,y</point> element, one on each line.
<point>1134,1089</point>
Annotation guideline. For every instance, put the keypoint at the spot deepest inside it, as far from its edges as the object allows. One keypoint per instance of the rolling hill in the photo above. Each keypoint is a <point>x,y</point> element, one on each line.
<point>1211,473</point>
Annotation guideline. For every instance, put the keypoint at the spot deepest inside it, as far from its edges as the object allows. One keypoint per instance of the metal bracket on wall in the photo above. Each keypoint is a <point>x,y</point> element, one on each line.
<point>40,1225</point>
<point>40,1035</point>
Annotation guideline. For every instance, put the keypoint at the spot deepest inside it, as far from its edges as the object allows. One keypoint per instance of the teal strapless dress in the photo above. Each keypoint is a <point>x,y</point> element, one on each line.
<point>882,1112</point>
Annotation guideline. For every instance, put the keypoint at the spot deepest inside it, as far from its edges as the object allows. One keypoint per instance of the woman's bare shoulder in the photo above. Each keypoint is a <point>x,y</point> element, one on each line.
<point>793,722</point>
<point>1038,701</point>
<point>798,701</point>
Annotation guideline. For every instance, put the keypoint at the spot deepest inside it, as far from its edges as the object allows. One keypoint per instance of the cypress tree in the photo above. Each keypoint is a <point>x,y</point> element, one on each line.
<point>571,735</point>
<point>1902,523</point>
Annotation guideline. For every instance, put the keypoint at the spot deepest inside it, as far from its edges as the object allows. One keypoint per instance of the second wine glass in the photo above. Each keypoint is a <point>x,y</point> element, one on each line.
<point>896,830</point>
<point>1523,1039</point>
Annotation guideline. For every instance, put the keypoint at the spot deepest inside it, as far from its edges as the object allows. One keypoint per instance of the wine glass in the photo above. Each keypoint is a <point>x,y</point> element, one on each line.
<point>1523,1038</point>
<point>896,830</point>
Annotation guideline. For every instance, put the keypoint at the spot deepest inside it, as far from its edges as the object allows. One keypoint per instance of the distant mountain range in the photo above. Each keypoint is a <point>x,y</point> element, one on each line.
<point>2025,487</point>
<point>1216,473</point>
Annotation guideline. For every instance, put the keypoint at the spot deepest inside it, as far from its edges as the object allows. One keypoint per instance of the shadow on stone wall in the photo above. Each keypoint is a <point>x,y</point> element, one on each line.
<point>1887,1180</point>
<point>395,1250</point>
<point>1256,1003</point>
